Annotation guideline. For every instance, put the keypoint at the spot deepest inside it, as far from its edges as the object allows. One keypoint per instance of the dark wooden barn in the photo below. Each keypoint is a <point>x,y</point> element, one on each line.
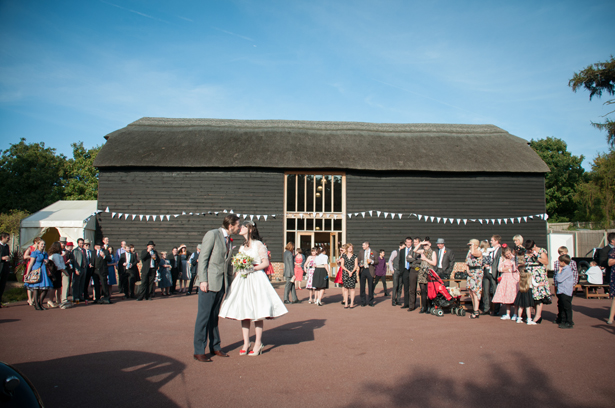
<point>319,183</point>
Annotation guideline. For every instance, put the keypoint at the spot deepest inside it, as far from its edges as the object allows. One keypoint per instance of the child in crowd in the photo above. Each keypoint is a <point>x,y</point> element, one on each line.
<point>575,273</point>
<point>508,282</point>
<point>565,285</point>
<point>594,274</point>
<point>524,299</point>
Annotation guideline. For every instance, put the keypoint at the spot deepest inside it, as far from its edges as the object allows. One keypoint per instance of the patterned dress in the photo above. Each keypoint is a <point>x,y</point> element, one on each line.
<point>309,273</point>
<point>540,291</point>
<point>424,268</point>
<point>475,274</point>
<point>349,281</point>
<point>507,289</point>
<point>612,284</point>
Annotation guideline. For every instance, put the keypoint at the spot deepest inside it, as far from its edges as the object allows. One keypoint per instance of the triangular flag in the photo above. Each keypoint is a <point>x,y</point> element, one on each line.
<point>445,220</point>
<point>231,212</point>
<point>301,215</point>
<point>154,217</point>
<point>481,221</point>
<point>518,219</point>
<point>472,220</point>
<point>349,215</point>
<point>107,210</point>
<point>175,215</point>
<point>252,217</point>
<point>140,217</point>
<point>216,213</point>
<point>493,221</point>
<point>119,215</point>
<point>400,214</point>
<point>356,214</point>
<point>113,215</point>
<point>147,218</point>
<point>134,216</point>
<point>465,221</point>
<point>183,212</point>
<point>420,216</point>
<point>126,216</point>
<point>385,214</point>
<point>335,217</point>
<point>319,215</point>
<point>458,221</point>
<point>438,219</point>
<point>505,220</point>
<point>451,220</point>
<point>512,220</point>
<point>370,213</point>
<point>273,215</point>
<point>499,221</point>
<point>168,218</point>
<point>431,218</point>
<point>225,211</point>
<point>197,213</point>
<point>546,216</point>
<point>245,216</point>
<point>426,218</point>
<point>363,214</point>
<point>531,216</point>
<point>525,219</point>
<point>258,217</point>
<point>378,213</point>
<point>188,214</point>
<point>265,217</point>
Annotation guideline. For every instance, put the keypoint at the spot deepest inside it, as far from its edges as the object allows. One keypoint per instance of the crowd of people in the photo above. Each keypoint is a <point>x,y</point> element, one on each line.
<point>509,281</point>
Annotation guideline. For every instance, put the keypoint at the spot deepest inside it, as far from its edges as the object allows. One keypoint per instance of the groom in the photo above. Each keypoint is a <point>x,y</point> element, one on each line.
<point>214,277</point>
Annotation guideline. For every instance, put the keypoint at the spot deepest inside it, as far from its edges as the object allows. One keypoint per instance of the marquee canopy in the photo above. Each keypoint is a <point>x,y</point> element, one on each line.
<point>72,219</point>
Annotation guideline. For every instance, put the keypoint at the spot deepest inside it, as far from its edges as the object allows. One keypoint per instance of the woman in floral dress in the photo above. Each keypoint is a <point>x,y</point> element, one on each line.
<point>309,274</point>
<point>350,268</point>
<point>535,261</point>
<point>474,261</point>
<point>428,261</point>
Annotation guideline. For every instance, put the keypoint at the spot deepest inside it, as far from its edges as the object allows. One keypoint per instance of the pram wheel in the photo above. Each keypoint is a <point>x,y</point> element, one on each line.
<point>454,310</point>
<point>439,312</point>
<point>463,312</point>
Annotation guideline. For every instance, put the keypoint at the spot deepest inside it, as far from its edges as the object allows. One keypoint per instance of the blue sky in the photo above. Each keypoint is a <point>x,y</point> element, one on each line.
<point>76,70</point>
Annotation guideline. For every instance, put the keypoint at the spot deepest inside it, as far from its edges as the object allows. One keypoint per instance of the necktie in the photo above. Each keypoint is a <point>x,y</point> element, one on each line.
<point>441,256</point>
<point>407,263</point>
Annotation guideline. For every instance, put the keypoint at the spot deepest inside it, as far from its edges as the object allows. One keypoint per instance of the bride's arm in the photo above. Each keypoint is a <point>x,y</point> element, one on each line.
<point>262,254</point>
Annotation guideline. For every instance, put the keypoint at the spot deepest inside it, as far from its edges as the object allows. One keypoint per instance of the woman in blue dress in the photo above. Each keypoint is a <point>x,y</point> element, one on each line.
<point>111,279</point>
<point>39,259</point>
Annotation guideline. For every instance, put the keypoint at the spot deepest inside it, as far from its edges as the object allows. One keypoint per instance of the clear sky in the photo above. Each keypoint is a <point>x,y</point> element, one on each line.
<point>77,70</point>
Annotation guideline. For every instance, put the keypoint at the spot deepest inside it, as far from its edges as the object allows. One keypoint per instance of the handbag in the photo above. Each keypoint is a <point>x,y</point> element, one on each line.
<point>461,275</point>
<point>34,276</point>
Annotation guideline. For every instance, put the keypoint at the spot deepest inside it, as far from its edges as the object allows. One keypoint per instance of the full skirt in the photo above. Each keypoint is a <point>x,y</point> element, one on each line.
<point>320,279</point>
<point>507,289</point>
<point>252,298</point>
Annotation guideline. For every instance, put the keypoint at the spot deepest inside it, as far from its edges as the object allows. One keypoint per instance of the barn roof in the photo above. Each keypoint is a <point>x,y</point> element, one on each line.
<point>289,144</point>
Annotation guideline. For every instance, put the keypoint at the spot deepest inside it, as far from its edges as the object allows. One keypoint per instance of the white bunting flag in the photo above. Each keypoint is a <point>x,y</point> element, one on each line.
<point>154,217</point>
<point>385,214</point>
<point>546,217</point>
<point>431,218</point>
<point>505,220</point>
<point>519,219</point>
<point>231,212</point>
<point>168,218</point>
<point>134,216</point>
<point>183,212</point>
<point>107,210</point>
<point>512,220</point>
<point>493,221</point>
<point>301,215</point>
<point>113,215</point>
<point>273,215</point>
<point>458,221</point>
<point>499,221</point>
<point>258,217</point>
<point>245,216</point>
<point>378,213</point>
<point>473,220</point>
<point>400,214</point>
<point>126,216</point>
<point>225,211</point>
<point>531,216</point>
<point>370,212</point>
<point>319,215</point>
<point>438,219</point>
<point>465,221</point>
<point>445,220</point>
<point>188,214</point>
<point>356,214</point>
<point>420,216</point>
<point>426,218</point>
<point>525,219</point>
<point>252,217</point>
<point>265,217</point>
<point>216,213</point>
<point>140,217</point>
<point>349,215</point>
<point>147,218</point>
<point>363,214</point>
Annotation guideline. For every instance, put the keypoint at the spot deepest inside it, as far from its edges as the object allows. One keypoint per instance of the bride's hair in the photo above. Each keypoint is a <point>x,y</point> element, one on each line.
<point>252,231</point>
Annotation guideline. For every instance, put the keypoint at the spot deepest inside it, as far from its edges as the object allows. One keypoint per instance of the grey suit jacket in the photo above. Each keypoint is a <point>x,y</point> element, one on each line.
<point>448,260</point>
<point>374,260</point>
<point>289,264</point>
<point>496,255</point>
<point>80,263</point>
<point>214,262</point>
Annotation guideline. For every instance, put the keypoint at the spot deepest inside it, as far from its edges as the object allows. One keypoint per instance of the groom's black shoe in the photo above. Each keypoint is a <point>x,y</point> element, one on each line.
<point>220,353</point>
<point>296,301</point>
<point>286,302</point>
<point>202,358</point>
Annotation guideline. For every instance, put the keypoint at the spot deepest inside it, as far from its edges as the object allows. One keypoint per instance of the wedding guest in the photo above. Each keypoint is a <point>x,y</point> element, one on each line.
<point>80,267</point>
<point>381,272</point>
<point>193,261</point>
<point>367,262</point>
<point>26,259</point>
<point>594,273</point>
<point>397,281</point>
<point>536,260</point>
<point>446,261</point>
<point>524,300</point>
<point>149,261</point>
<point>184,272</point>
<point>5,259</point>
<point>101,260</point>
<point>129,271</point>
<point>350,269</point>
<point>89,270</point>
<point>507,288</point>
<point>251,296</point>
<point>269,271</point>
<point>573,265</point>
<point>61,274</point>
<point>474,262</point>
<point>492,253</point>
<point>428,261</point>
<point>38,260</point>
<point>165,274</point>
<point>298,269</point>
<point>112,278</point>
<point>289,274</point>
<point>175,263</point>
<point>320,280</point>
<point>122,249</point>
<point>339,281</point>
<point>519,249</point>
<point>309,274</point>
<point>565,285</point>
<point>56,274</point>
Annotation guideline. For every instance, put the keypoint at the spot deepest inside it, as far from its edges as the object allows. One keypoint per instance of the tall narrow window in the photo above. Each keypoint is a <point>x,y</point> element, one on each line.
<point>291,181</point>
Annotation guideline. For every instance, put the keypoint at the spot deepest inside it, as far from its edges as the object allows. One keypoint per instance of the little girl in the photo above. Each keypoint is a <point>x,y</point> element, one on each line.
<point>524,299</point>
<point>507,289</point>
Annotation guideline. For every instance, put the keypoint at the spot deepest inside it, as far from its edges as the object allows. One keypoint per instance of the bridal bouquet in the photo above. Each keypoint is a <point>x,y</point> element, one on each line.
<point>243,264</point>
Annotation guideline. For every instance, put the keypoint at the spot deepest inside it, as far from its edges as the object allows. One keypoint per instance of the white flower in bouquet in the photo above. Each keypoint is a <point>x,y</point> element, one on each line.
<point>243,264</point>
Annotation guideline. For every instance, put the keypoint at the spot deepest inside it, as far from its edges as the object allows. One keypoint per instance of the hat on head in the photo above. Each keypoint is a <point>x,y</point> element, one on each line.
<point>440,241</point>
<point>98,243</point>
<point>198,246</point>
<point>63,239</point>
<point>86,242</point>
<point>151,243</point>
<point>474,241</point>
<point>70,244</point>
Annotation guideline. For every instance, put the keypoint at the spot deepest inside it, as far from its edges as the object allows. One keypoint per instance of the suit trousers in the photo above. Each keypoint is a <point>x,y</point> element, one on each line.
<point>86,282</point>
<point>397,285</point>
<point>65,286</point>
<point>129,279</point>
<point>4,276</point>
<point>410,278</point>
<point>147,284</point>
<point>289,288</point>
<point>564,308</point>
<point>174,276</point>
<point>100,279</point>
<point>489,286</point>
<point>192,278</point>
<point>78,285</point>
<point>206,326</point>
<point>384,283</point>
<point>366,280</point>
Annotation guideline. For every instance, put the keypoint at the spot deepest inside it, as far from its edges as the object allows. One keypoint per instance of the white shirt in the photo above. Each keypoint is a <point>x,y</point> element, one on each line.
<point>594,275</point>
<point>321,259</point>
<point>440,257</point>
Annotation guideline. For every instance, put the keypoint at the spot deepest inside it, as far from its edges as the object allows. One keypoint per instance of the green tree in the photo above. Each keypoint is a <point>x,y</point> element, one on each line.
<point>81,175</point>
<point>597,195</point>
<point>561,183</point>
<point>31,177</point>
<point>11,221</point>
<point>598,78</point>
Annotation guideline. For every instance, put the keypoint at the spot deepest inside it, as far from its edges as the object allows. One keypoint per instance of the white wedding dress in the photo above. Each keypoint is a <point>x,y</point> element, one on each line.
<point>252,297</point>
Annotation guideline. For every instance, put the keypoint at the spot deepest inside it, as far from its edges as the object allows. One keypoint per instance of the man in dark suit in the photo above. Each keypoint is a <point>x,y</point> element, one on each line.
<point>367,260</point>
<point>446,261</point>
<point>80,265</point>
<point>5,258</point>
<point>89,270</point>
<point>193,264</point>
<point>409,265</point>
<point>176,265</point>
<point>397,281</point>
<point>101,272</point>
<point>128,271</point>
<point>149,266</point>
<point>490,279</point>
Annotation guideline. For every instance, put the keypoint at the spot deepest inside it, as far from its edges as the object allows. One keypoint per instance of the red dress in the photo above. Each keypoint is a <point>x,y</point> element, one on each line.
<point>269,269</point>
<point>298,269</point>
<point>339,276</point>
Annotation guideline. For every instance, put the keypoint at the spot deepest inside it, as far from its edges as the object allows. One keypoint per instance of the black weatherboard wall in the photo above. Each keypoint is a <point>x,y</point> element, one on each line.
<point>469,196</point>
<point>171,191</point>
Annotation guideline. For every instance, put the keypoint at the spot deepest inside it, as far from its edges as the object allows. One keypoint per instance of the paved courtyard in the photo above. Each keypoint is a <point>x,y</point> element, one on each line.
<point>139,354</point>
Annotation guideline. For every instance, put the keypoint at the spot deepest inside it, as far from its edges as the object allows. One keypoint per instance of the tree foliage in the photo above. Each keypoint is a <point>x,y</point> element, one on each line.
<point>82,176</point>
<point>10,221</point>
<point>31,177</point>
<point>562,181</point>
<point>597,195</point>
<point>598,78</point>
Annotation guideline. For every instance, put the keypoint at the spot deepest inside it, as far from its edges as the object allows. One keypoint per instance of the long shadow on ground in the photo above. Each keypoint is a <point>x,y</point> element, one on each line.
<point>107,379</point>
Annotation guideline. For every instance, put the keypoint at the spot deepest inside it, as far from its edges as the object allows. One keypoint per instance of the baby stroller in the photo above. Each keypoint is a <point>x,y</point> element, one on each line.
<point>441,298</point>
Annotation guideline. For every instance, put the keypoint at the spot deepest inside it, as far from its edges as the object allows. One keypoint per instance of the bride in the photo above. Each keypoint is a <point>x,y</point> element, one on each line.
<point>252,298</point>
